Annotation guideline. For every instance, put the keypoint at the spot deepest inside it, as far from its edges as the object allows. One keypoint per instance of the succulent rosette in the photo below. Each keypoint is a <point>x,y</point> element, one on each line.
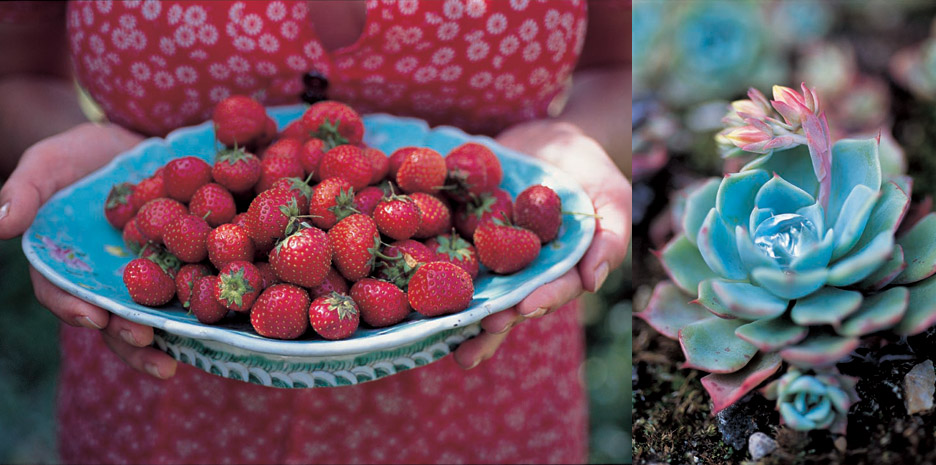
<point>813,401</point>
<point>915,67</point>
<point>794,258</point>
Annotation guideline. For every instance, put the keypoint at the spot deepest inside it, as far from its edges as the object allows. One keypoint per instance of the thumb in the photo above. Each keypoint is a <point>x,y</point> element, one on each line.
<point>53,163</point>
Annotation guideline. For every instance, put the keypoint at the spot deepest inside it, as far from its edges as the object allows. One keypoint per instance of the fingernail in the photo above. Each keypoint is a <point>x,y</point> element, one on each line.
<point>537,313</point>
<point>474,364</point>
<point>87,322</point>
<point>4,210</point>
<point>601,274</point>
<point>128,337</point>
<point>152,369</point>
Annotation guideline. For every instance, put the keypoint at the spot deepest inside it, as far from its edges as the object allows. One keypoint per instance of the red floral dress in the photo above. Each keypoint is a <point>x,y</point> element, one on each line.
<point>480,65</point>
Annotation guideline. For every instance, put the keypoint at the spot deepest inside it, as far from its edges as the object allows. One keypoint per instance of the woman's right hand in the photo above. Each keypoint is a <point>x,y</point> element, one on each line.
<point>45,168</point>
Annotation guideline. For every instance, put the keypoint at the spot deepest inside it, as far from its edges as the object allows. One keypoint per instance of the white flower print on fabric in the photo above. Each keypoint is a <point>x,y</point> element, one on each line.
<point>528,30</point>
<point>140,71</point>
<point>453,9</point>
<point>475,8</point>
<point>276,11</point>
<point>207,34</point>
<point>447,31</point>
<point>496,23</point>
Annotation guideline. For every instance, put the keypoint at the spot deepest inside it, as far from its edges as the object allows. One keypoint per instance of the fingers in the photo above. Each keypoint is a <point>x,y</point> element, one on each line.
<point>551,296</point>
<point>132,333</point>
<point>68,308</point>
<point>612,235</point>
<point>479,348</point>
<point>144,359</point>
<point>501,321</point>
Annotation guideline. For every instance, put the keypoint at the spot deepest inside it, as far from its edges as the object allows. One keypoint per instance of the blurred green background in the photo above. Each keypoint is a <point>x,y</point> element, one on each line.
<point>29,361</point>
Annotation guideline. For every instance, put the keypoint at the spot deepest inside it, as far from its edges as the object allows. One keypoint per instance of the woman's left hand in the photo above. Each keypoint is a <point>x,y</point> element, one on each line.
<point>566,147</point>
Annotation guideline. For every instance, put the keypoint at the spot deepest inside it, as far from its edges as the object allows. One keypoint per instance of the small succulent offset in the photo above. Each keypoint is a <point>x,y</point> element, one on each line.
<point>808,402</point>
<point>793,260</point>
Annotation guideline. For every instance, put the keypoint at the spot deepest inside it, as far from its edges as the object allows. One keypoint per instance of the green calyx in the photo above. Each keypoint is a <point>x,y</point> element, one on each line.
<point>234,286</point>
<point>328,132</point>
<point>342,304</point>
<point>481,205</point>
<point>162,257</point>
<point>454,246</point>
<point>232,156</point>
<point>344,204</point>
<point>119,194</point>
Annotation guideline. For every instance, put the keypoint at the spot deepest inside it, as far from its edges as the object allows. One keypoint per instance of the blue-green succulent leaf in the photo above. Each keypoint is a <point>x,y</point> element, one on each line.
<point>698,204</point>
<point>794,165</point>
<point>711,345</point>
<point>877,312</point>
<point>708,299</point>
<point>794,420</point>
<point>819,351</point>
<point>854,162</point>
<point>904,182</point>
<point>758,215</point>
<point>807,385</point>
<point>751,255</point>
<point>814,214</point>
<point>886,214</point>
<point>862,263</point>
<point>816,257</point>
<point>744,300</point>
<point>921,309</point>
<point>726,389</point>
<point>770,335</point>
<point>790,285</point>
<point>684,264</point>
<point>669,309</point>
<point>919,249</point>
<point>735,199</point>
<point>718,247</point>
<point>852,219</point>
<point>829,305</point>
<point>781,196</point>
<point>885,273</point>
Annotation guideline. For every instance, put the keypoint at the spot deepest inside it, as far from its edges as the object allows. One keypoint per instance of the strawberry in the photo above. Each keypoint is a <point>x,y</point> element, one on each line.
<point>380,164</point>
<point>132,237</point>
<point>273,168</point>
<point>334,316</point>
<point>398,271</point>
<point>303,258</point>
<point>539,209</point>
<point>214,203</point>
<point>333,122</point>
<point>228,243</point>
<point>185,279</point>
<point>356,242</point>
<point>238,120</point>
<point>456,250</point>
<point>203,303</point>
<point>266,272</point>
<point>332,201</point>
<point>300,190</point>
<point>148,282</point>
<point>423,170</point>
<point>155,215</point>
<point>472,170</point>
<point>367,199</point>
<point>183,176</point>
<point>487,206</point>
<point>268,215</point>
<point>270,131</point>
<point>153,187</point>
<point>435,215</point>
<point>439,288</point>
<point>118,208</point>
<point>186,236</point>
<point>396,160</point>
<point>346,161</point>
<point>240,219</point>
<point>505,248</point>
<point>295,130</point>
<point>238,286</point>
<point>380,303</point>
<point>284,147</point>
<point>281,312</point>
<point>398,217</point>
<point>236,170</point>
<point>165,259</point>
<point>310,156</point>
<point>333,282</point>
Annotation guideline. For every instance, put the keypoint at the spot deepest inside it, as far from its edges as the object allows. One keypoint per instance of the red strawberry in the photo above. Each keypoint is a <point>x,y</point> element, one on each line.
<point>380,164</point>
<point>214,203</point>
<point>240,219</point>
<point>228,243</point>
<point>270,132</point>
<point>310,156</point>
<point>236,170</point>
<point>367,199</point>
<point>203,303</point>
<point>132,237</point>
<point>423,170</point>
<point>155,215</point>
<point>303,258</point>
<point>453,249</point>
<point>183,176</point>
<point>505,248</point>
<point>539,209</point>
<point>333,122</point>
<point>284,147</point>
<point>157,253</point>
<point>346,161</point>
<point>332,201</point>
<point>238,286</point>
<point>380,303</point>
<point>435,215</point>
<point>118,208</point>
<point>266,272</point>
<point>472,170</point>
<point>334,316</point>
<point>398,217</point>
<point>333,282</point>
<point>281,312</point>
<point>185,279</point>
<point>355,241</point>
<point>396,159</point>
<point>273,168</point>
<point>300,190</point>
<point>411,255</point>
<point>295,130</point>
<point>438,288</point>
<point>238,120</point>
<point>487,206</point>
<point>268,215</point>
<point>148,283</point>
<point>186,236</point>
<point>151,188</point>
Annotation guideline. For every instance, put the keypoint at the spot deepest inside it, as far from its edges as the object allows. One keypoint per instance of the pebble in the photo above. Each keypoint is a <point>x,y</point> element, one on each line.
<point>761,445</point>
<point>919,386</point>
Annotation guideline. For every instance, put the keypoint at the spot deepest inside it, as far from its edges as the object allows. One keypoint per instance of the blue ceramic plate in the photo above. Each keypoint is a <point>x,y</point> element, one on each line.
<point>73,246</point>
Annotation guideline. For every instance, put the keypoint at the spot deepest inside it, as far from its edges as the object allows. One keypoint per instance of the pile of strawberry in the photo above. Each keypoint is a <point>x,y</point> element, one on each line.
<point>321,230</point>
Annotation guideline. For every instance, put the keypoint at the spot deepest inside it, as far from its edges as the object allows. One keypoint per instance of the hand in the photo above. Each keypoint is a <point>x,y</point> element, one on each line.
<point>566,147</point>
<point>46,167</point>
